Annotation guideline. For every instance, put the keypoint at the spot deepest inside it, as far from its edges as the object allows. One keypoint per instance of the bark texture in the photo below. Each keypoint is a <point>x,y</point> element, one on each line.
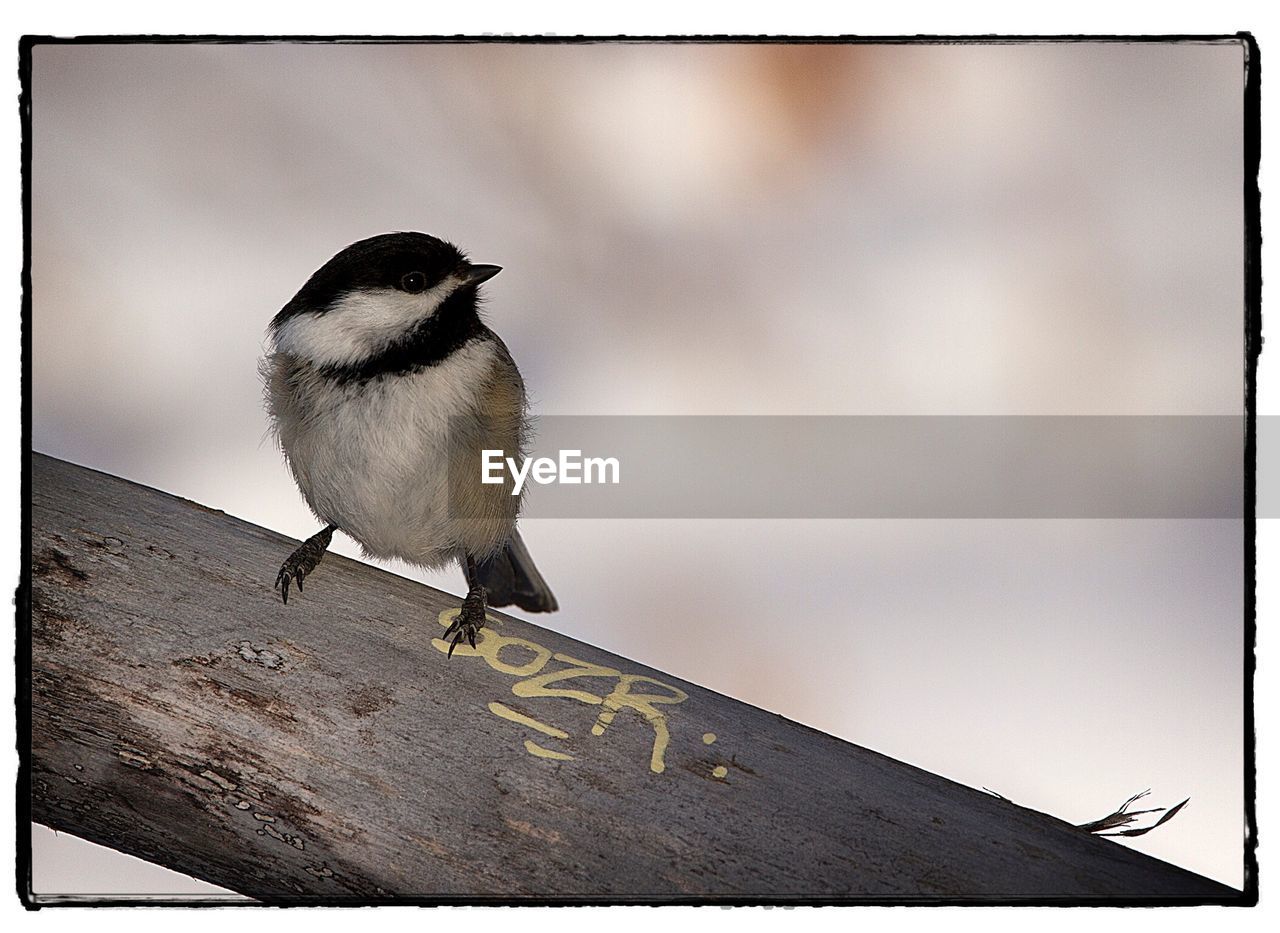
<point>328,748</point>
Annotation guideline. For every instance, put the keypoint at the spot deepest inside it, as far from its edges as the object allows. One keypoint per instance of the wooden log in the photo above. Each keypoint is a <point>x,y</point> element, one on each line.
<point>329,749</point>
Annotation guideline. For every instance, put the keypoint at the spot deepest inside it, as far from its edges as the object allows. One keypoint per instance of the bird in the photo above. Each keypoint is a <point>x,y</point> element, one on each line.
<point>383,386</point>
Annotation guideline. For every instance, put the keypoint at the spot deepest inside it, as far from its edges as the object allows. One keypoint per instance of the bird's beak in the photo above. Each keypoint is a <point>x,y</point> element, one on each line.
<point>475,273</point>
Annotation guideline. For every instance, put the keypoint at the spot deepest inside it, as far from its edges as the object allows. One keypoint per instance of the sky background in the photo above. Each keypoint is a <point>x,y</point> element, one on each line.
<point>962,230</point>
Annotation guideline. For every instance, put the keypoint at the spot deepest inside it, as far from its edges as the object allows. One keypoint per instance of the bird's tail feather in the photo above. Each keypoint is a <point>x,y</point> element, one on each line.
<point>510,577</point>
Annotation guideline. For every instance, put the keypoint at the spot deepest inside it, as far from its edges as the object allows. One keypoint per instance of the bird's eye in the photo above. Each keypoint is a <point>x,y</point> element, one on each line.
<point>413,282</point>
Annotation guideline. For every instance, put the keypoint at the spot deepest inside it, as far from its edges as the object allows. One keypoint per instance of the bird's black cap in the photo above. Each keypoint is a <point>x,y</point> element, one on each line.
<point>410,262</point>
<point>379,262</point>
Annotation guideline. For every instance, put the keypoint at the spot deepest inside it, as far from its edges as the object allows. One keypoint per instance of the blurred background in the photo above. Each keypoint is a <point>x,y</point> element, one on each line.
<point>1043,229</point>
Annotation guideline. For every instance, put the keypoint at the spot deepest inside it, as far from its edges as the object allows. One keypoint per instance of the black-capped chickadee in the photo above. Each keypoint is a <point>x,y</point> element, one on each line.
<point>383,387</point>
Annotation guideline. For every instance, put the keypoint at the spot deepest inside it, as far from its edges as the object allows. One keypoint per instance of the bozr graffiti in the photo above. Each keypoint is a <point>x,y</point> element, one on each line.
<point>542,673</point>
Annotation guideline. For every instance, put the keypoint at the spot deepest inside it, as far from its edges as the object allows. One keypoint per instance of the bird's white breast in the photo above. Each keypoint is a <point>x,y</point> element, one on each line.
<point>373,457</point>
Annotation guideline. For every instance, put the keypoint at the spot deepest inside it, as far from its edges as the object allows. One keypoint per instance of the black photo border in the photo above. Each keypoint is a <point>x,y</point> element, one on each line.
<point>1247,897</point>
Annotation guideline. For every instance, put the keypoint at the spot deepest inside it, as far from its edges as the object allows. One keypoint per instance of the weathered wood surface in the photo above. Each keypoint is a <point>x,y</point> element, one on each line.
<point>328,747</point>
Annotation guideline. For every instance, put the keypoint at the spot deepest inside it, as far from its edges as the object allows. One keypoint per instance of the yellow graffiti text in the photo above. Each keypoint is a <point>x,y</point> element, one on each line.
<point>506,712</point>
<point>611,690</point>
<point>533,748</point>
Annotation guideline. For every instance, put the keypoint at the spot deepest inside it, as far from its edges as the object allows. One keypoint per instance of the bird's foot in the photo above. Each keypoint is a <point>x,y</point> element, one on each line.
<point>302,561</point>
<point>469,621</point>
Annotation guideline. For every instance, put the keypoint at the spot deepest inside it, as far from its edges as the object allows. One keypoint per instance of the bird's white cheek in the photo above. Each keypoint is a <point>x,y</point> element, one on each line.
<point>358,326</point>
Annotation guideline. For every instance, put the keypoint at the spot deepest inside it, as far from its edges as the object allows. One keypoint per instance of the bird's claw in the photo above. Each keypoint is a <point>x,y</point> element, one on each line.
<point>304,560</point>
<point>289,574</point>
<point>469,622</point>
<point>294,570</point>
